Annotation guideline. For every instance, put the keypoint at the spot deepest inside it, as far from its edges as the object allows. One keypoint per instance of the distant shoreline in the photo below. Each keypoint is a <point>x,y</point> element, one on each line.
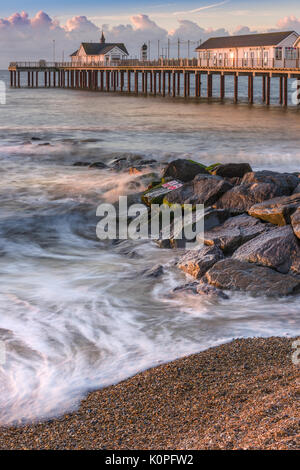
<point>241,395</point>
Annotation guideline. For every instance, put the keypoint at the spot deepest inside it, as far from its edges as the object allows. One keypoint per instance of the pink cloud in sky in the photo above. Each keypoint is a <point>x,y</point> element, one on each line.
<point>289,22</point>
<point>25,38</point>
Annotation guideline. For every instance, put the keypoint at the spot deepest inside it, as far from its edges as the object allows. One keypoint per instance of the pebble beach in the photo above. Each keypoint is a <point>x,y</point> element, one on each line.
<point>241,395</point>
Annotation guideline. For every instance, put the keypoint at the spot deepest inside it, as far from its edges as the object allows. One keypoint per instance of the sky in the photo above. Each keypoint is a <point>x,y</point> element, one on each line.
<point>28,28</point>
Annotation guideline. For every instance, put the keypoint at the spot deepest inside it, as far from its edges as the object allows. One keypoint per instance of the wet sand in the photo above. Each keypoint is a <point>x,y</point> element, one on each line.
<point>242,395</point>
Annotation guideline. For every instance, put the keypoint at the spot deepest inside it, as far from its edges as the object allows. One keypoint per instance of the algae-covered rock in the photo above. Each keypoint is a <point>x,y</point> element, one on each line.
<point>156,195</point>
<point>232,170</point>
<point>184,170</point>
<point>204,189</point>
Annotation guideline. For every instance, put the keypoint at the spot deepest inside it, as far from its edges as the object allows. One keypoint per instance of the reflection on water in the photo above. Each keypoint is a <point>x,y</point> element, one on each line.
<point>77,313</point>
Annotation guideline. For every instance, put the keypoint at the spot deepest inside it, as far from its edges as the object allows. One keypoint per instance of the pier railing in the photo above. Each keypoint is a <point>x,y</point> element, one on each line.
<point>210,63</point>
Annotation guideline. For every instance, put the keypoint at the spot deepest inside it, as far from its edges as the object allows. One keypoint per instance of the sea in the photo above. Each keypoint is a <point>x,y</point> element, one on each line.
<point>77,313</point>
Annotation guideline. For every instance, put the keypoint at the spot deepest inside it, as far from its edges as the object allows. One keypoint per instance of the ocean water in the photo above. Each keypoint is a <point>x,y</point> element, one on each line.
<point>77,314</point>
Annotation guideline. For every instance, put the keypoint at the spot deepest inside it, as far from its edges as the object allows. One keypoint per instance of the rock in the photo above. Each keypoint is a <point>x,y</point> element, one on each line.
<point>258,187</point>
<point>297,189</point>
<point>212,218</point>
<point>204,189</point>
<point>81,164</point>
<point>99,165</point>
<point>277,249</point>
<point>232,274</point>
<point>232,170</point>
<point>200,288</point>
<point>286,181</point>
<point>197,262</point>
<point>184,170</point>
<point>158,193</point>
<point>295,220</point>
<point>243,197</point>
<point>277,211</point>
<point>154,272</point>
<point>234,232</point>
<point>36,138</point>
<point>131,161</point>
<point>205,289</point>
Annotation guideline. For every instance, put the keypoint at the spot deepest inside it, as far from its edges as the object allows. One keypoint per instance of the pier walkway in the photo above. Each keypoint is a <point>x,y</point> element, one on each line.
<point>162,77</point>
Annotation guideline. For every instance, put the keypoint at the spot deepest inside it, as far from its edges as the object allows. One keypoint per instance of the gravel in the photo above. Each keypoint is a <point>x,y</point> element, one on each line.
<point>242,395</point>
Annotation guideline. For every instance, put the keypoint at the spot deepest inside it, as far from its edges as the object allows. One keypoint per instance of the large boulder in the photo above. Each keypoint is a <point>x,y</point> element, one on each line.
<point>234,232</point>
<point>286,181</point>
<point>197,262</point>
<point>232,170</point>
<point>277,249</point>
<point>295,220</point>
<point>204,189</point>
<point>232,274</point>
<point>184,170</point>
<point>278,210</point>
<point>212,218</point>
<point>257,187</point>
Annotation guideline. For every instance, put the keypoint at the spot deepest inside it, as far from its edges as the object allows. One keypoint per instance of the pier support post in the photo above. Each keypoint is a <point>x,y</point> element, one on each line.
<point>28,79</point>
<point>169,83</point>
<point>159,82</point>
<point>107,80</point>
<point>236,88</point>
<point>222,86</point>
<point>129,81</point>
<point>151,82</point>
<point>146,82</point>
<point>185,84</point>
<point>19,79</point>
<point>281,90</point>
<point>209,85</point>
<point>268,90</point>
<point>250,89</point>
<point>136,82</point>
<point>164,84</point>
<point>32,79</point>
<point>154,83</point>
<point>264,88</point>
<point>174,84</point>
<point>11,78</point>
<point>178,83</point>
<point>115,80</point>
<point>285,93</point>
<point>121,81</point>
<point>37,79</point>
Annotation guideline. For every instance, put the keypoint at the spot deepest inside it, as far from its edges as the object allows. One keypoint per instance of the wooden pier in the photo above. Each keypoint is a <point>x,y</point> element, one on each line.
<point>163,77</point>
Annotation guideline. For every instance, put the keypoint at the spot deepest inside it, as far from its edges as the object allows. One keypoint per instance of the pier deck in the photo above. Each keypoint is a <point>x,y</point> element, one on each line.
<point>157,77</point>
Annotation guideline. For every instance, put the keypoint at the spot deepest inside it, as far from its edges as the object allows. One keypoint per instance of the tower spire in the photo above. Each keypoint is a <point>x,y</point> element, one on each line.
<point>102,40</point>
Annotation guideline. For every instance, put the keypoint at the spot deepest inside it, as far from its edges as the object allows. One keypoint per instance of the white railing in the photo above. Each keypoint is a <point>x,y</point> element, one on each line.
<point>202,63</point>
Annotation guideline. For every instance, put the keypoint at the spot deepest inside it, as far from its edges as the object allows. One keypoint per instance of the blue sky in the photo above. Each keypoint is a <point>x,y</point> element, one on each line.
<point>262,13</point>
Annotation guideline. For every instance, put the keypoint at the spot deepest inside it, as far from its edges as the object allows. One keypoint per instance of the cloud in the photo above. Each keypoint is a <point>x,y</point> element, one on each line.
<point>289,23</point>
<point>243,30</point>
<point>31,38</point>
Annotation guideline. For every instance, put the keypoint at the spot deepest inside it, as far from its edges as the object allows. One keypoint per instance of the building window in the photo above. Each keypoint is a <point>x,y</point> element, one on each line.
<point>290,53</point>
<point>278,53</point>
